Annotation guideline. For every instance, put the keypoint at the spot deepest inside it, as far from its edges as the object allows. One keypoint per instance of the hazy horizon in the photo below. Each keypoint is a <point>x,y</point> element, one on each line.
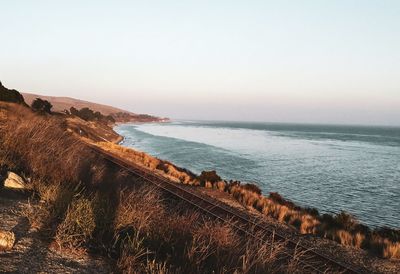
<point>311,62</point>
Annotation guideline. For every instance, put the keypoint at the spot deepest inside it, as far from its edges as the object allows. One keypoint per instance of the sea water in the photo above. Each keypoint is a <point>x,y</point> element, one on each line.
<point>331,168</point>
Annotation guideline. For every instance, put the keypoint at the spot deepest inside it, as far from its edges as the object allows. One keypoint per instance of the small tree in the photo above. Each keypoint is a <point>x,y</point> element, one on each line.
<point>86,114</point>
<point>74,111</point>
<point>40,105</point>
<point>89,115</point>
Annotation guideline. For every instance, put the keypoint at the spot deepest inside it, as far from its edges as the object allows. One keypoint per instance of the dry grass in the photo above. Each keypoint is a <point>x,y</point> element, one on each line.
<point>83,207</point>
<point>139,208</point>
<point>163,167</point>
<point>40,147</point>
<point>152,233</point>
<point>343,228</point>
<point>78,225</point>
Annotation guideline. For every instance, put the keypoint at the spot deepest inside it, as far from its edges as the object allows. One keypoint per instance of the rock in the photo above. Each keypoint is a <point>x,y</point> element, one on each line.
<point>7,240</point>
<point>14,181</point>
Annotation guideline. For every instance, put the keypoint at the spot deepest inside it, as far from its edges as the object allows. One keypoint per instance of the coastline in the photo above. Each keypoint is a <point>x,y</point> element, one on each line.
<point>260,156</point>
<point>282,213</point>
<point>302,218</point>
<point>121,138</point>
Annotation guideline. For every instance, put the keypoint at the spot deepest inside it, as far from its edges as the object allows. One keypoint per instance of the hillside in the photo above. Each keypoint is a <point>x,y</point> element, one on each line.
<point>86,202</point>
<point>65,103</point>
<point>62,103</point>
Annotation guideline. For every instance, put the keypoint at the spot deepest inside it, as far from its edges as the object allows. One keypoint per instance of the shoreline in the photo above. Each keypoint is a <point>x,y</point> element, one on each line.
<point>121,138</point>
<point>304,219</point>
<point>341,228</point>
<point>248,197</point>
<point>303,204</point>
<point>365,215</point>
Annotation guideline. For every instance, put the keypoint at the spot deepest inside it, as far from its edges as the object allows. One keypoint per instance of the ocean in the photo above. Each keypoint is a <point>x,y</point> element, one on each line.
<point>331,168</point>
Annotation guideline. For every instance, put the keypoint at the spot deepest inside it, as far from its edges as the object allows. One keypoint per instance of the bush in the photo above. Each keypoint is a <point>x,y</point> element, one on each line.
<point>345,220</point>
<point>89,115</point>
<point>209,176</point>
<point>252,188</point>
<point>42,106</point>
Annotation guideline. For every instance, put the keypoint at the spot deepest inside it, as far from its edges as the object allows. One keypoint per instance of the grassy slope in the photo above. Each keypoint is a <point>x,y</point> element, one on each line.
<point>65,103</point>
<point>92,130</point>
<point>89,205</point>
<point>50,142</point>
<point>62,103</point>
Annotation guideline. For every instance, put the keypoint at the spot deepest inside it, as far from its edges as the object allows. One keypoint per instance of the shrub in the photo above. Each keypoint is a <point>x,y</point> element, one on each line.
<point>89,115</point>
<point>42,106</point>
<point>386,232</point>
<point>275,196</point>
<point>209,176</point>
<point>345,220</point>
<point>252,188</point>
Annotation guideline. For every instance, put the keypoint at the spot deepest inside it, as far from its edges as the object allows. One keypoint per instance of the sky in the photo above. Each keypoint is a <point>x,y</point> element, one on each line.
<point>278,61</point>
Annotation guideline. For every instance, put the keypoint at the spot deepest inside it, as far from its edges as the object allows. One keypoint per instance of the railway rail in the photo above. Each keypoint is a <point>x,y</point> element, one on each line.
<point>312,261</point>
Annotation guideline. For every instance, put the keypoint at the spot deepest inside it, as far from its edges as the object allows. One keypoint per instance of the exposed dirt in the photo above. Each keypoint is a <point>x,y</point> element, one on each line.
<point>32,253</point>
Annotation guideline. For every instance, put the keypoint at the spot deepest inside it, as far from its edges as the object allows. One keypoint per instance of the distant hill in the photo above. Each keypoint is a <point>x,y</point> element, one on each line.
<point>62,103</point>
<point>65,103</point>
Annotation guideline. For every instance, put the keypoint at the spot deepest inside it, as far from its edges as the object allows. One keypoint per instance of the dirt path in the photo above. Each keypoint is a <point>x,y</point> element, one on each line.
<point>31,253</point>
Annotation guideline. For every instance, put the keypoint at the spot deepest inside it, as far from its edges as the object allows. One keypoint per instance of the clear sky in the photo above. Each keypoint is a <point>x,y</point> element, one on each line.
<point>292,61</point>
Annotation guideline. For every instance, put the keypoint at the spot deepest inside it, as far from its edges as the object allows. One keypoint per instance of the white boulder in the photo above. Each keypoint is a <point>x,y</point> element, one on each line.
<point>14,181</point>
<point>7,240</point>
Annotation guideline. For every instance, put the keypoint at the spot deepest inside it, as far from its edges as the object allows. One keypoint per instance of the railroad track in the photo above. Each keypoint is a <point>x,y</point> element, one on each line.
<point>312,261</point>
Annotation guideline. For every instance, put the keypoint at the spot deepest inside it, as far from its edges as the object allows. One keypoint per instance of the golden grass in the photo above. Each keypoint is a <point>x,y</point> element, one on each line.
<point>138,209</point>
<point>391,250</point>
<point>163,167</point>
<point>151,235</point>
<point>82,207</point>
<point>39,146</point>
<point>342,228</point>
<point>78,225</point>
<point>83,203</point>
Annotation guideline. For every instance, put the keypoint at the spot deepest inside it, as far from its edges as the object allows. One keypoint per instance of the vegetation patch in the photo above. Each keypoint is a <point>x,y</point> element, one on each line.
<point>86,204</point>
<point>41,106</point>
<point>89,115</point>
<point>342,228</point>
